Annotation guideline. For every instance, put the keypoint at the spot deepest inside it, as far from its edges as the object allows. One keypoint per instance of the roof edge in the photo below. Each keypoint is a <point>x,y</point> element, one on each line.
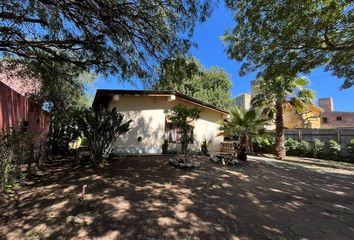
<point>101,92</point>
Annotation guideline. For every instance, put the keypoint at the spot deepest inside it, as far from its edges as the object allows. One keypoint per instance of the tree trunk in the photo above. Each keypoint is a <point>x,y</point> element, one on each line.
<point>279,131</point>
<point>242,154</point>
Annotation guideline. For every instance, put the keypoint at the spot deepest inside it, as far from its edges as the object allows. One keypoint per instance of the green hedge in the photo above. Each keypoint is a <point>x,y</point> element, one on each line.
<point>264,144</point>
<point>324,150</point>
<point>296,148</point>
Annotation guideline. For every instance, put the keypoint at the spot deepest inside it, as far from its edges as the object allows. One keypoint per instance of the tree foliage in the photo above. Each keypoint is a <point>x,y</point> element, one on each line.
<point>64,129</point>
<point>13,153</point>
<point>291,92</point>
<point>188,76</point>
<point>17,148</point>
<point>245,124</point>
<point>287,37</point>
<point>273,96</point>
<point>181,116</point>
<point>123,37</point>
<point>101,128</point>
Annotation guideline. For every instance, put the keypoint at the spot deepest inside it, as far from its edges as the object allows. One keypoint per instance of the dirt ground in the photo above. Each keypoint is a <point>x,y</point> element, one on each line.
<point>145,198</point>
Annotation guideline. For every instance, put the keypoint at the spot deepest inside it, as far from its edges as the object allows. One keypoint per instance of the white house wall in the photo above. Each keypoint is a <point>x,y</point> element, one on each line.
<point>149,114</point>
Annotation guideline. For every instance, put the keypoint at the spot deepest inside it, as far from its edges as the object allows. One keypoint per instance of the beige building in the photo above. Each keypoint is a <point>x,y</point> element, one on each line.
<point>243,101</point>
<point>148,110</point>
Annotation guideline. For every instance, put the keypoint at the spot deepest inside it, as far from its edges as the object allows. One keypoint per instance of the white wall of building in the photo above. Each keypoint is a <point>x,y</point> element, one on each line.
<point>148,129</point>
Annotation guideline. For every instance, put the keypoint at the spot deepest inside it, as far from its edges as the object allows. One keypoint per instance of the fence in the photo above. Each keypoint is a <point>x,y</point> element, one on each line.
<point>342,136</point>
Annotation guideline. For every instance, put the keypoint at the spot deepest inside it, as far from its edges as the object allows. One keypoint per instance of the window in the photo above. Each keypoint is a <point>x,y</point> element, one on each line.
<point>324,120</point>
<point>173,133</point>
<point>339,118</point>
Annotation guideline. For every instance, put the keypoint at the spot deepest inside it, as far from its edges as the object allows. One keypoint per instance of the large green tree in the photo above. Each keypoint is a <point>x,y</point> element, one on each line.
<point>122,37</point>
<point>188,76</point>
<point>273,96</point>
<point>62,93</point>
<point>287,37</point>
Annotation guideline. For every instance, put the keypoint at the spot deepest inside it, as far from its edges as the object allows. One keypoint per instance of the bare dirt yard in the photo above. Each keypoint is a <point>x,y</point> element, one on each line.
<point>145,198</point>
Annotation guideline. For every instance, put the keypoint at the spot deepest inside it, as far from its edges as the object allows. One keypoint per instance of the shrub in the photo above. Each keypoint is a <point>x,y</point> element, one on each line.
<point>101,128</point>
<point>298,148</point>
<point>350,146</point>
<point>305,149</point>
<point>318,149</point>
<point>13,152</point>
<point>204,147</point>
<point>333,150</point>
<point>264,144</point>
<point>64,129</point>
<point>292,147</point>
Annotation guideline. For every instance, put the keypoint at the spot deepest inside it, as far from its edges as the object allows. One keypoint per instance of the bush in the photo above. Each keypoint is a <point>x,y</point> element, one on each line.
<point>319,149</point>
<point>305,149</point>
<point>64,129</point>
<point>101,128</point>
<point>264,144</point>
<point>333,150</point>
<point>13,152</point>
<point>350,147</point>
<point>298,148</point>
<point>292,147</point>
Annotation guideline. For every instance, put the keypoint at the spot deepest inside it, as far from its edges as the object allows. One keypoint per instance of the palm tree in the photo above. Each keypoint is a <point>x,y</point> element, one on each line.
<point>277,94</point>
<point>245,124</point>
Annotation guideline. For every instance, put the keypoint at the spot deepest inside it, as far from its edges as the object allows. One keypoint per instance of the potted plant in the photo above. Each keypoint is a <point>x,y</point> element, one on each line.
<point>204,147</point>
<point>165,146</point>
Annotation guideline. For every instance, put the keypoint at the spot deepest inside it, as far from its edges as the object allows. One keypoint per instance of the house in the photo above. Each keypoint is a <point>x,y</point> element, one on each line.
<point>334,119</point>
<point>17,109</point>
<point>151,126</point>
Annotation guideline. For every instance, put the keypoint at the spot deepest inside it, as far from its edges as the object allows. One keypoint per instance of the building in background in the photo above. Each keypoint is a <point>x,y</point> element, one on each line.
<point>243,101</point>
<point>309,118</point>
<point>17,109</point>
<point>334,119</point>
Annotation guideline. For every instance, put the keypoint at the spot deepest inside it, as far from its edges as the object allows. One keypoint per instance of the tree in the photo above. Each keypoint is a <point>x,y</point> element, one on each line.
<point>278,37</point>
<point>188,76</point>
<point>245,124</point>
<point>62,93</point>
<point>181,116</point>
<point>278,94</point>
<point>123,37</point>
<point>101,127</point>
<point>64,129</point>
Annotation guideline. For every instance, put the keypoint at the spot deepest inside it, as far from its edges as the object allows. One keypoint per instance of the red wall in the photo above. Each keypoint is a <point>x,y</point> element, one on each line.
<point>15,108</point>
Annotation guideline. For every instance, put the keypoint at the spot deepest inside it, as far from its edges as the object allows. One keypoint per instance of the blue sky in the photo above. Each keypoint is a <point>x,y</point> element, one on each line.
<point>211,52</point>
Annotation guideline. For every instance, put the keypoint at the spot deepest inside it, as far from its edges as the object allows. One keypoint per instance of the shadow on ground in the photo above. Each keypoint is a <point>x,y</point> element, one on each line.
<point>145,198</point>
